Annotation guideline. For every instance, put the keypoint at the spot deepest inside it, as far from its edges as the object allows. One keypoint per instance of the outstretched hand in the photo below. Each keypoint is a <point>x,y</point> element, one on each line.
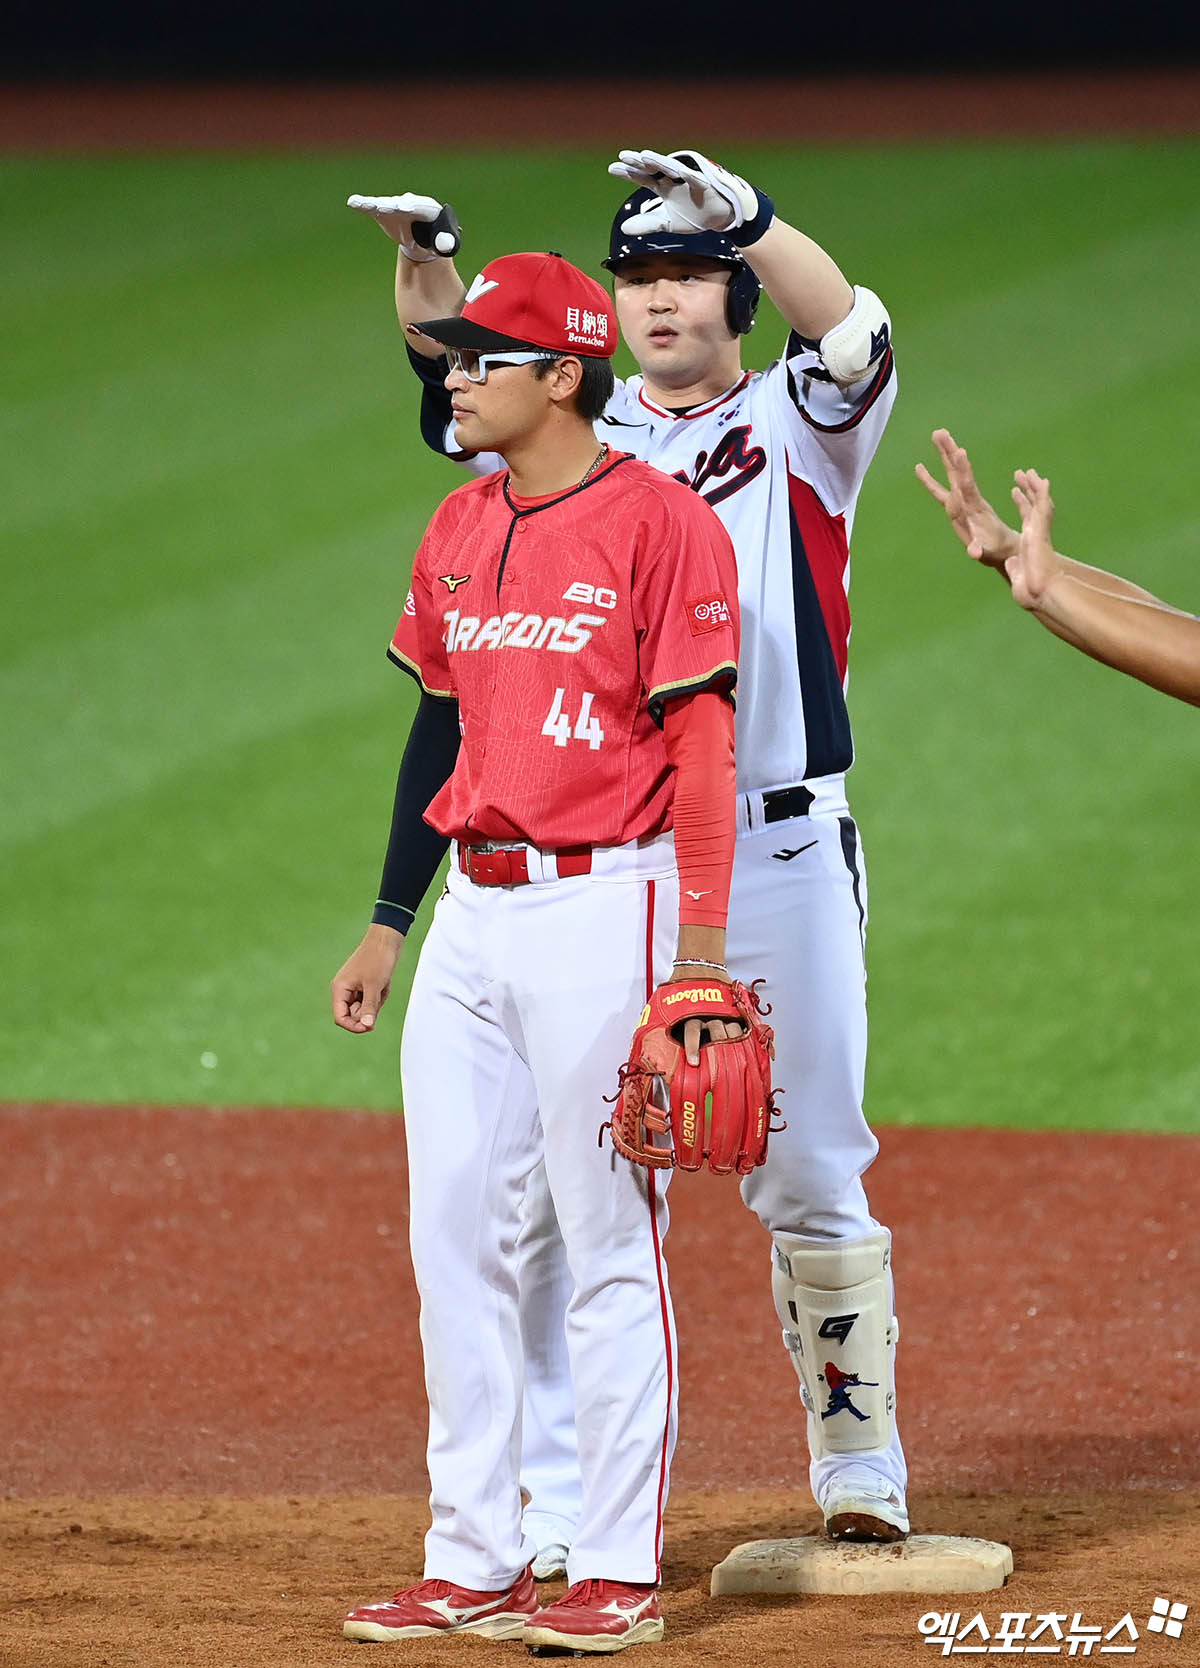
<point>694,194</point>
<point>985,537</point>
<point>1036,562</point>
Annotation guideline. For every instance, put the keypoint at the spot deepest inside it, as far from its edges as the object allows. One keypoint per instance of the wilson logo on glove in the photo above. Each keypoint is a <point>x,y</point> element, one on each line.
<point>692,993</point>
<point>669,1113</point>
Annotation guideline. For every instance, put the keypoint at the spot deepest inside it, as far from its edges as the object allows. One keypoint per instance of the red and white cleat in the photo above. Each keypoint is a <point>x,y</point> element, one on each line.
<point>441,1607</point>
<point>596,1618</point>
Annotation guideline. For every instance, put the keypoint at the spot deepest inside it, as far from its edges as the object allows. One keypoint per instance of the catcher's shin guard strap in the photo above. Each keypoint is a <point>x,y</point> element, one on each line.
<point>834,1298</point>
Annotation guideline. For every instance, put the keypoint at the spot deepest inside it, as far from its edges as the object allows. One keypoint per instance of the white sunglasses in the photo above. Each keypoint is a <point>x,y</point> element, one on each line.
<point>475,365</point>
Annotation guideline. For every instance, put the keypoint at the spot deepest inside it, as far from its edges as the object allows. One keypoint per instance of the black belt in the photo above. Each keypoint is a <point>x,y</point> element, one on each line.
<point>781,804</point>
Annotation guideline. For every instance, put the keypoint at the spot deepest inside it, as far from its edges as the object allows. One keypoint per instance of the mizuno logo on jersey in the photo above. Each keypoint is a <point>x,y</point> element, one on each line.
<point>451,582</point>
<point>464,632</point>
<point>707,613</point>
<point>731,457</point>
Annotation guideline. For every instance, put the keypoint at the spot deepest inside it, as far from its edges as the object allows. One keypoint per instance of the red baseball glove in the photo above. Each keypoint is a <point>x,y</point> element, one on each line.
<point>671,1113</point>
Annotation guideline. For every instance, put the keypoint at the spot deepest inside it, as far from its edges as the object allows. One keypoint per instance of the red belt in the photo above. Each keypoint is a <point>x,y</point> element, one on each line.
<point>509,865</point>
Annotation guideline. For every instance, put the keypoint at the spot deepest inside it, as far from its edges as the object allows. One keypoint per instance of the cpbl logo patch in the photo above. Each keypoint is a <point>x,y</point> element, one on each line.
<point>707,613</point>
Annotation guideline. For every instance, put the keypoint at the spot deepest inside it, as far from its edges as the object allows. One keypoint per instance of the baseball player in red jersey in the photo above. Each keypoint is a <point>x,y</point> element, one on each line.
<point>575,617</point>
<point>780,455</point>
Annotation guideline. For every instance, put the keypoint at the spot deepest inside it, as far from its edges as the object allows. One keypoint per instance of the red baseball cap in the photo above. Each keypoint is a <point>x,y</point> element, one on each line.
<point>531,301</point>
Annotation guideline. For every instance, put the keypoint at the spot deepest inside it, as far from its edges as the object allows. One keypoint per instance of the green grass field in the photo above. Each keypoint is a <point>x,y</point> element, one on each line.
<point>211,488</point>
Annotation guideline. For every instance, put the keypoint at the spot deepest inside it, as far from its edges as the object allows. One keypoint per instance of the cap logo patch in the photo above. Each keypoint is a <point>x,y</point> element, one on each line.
<point>707,613</point>
<point>585,326</point>
<point>480,287</point>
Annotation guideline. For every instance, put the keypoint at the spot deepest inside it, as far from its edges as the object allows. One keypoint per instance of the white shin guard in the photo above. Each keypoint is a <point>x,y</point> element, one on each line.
<point>834,1298</point>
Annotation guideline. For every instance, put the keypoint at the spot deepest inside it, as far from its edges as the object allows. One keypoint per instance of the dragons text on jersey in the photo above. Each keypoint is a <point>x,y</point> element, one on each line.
<point>561,679</point>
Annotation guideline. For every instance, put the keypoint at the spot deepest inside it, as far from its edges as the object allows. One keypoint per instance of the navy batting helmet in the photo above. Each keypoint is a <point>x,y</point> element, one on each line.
<point>741,297</point>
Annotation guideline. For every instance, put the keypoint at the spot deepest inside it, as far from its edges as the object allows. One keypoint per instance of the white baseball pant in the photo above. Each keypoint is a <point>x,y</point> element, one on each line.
<point>797,920</point>
<point>522,1009</point>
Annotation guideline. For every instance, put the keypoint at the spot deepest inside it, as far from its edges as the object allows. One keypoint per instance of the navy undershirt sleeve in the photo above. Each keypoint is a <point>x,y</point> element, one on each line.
<point>414,849</point>
<point>436,414</point>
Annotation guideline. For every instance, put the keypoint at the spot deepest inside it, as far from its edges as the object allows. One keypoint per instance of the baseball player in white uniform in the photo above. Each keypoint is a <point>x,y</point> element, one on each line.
<point>573,618</point>
<point>781,456</point>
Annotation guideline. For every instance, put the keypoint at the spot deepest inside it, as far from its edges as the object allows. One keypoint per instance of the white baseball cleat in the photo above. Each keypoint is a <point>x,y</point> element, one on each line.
<point>860,1504</point>
<point>551,1562</point>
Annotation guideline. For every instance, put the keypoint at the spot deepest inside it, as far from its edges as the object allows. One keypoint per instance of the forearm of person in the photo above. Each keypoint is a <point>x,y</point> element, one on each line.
<point>1127,629</point>
<point>426,290</point>
<point>1111,583</point>
<point>699,737</point>
<point>415,850</point>
<point>804,282</point>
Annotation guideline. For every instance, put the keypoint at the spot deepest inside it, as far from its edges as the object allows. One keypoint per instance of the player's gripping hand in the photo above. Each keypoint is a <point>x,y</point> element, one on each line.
<point>423,227</point>
<point>706,1029</point>
<point>694,195</point>
<point>360,988</point>
<point>716,1108</point>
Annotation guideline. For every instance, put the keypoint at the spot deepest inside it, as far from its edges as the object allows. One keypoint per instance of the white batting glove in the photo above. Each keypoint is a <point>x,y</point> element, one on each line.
<point>694,195</point>
<point>400,216</point>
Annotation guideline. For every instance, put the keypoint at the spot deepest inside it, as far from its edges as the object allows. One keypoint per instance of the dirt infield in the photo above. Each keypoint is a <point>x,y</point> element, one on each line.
<point>210,1363</point>
<point>67,117</point>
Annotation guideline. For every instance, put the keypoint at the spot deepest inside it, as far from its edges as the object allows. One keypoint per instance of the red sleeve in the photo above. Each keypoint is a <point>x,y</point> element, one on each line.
<point>685,602</point>
<point>418,643</point>
<point>699,735</point>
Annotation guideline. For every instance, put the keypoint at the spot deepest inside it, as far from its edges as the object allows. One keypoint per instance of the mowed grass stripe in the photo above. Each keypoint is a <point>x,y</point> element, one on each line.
<point>204,922</point>
<point>199,675</point>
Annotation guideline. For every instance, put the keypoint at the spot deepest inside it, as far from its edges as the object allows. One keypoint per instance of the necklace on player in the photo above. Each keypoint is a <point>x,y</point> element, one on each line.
<point>596,462</point>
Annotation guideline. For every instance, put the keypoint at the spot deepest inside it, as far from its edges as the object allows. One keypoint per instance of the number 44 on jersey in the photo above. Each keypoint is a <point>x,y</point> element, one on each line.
<point>558,722</point>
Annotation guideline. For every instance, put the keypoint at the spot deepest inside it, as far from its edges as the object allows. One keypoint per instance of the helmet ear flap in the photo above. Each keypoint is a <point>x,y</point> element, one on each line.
<point>742,296</point>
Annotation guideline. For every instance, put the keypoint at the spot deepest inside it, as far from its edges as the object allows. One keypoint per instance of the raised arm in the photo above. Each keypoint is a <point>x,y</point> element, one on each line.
<point>427,282</point>
<point>1109,619</point>
<point>1098,612</point>
<point>804,282</point>
<point>848,323</point>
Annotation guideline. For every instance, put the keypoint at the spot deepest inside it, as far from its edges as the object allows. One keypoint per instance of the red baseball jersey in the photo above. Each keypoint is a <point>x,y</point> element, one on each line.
<point>561,626</point>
